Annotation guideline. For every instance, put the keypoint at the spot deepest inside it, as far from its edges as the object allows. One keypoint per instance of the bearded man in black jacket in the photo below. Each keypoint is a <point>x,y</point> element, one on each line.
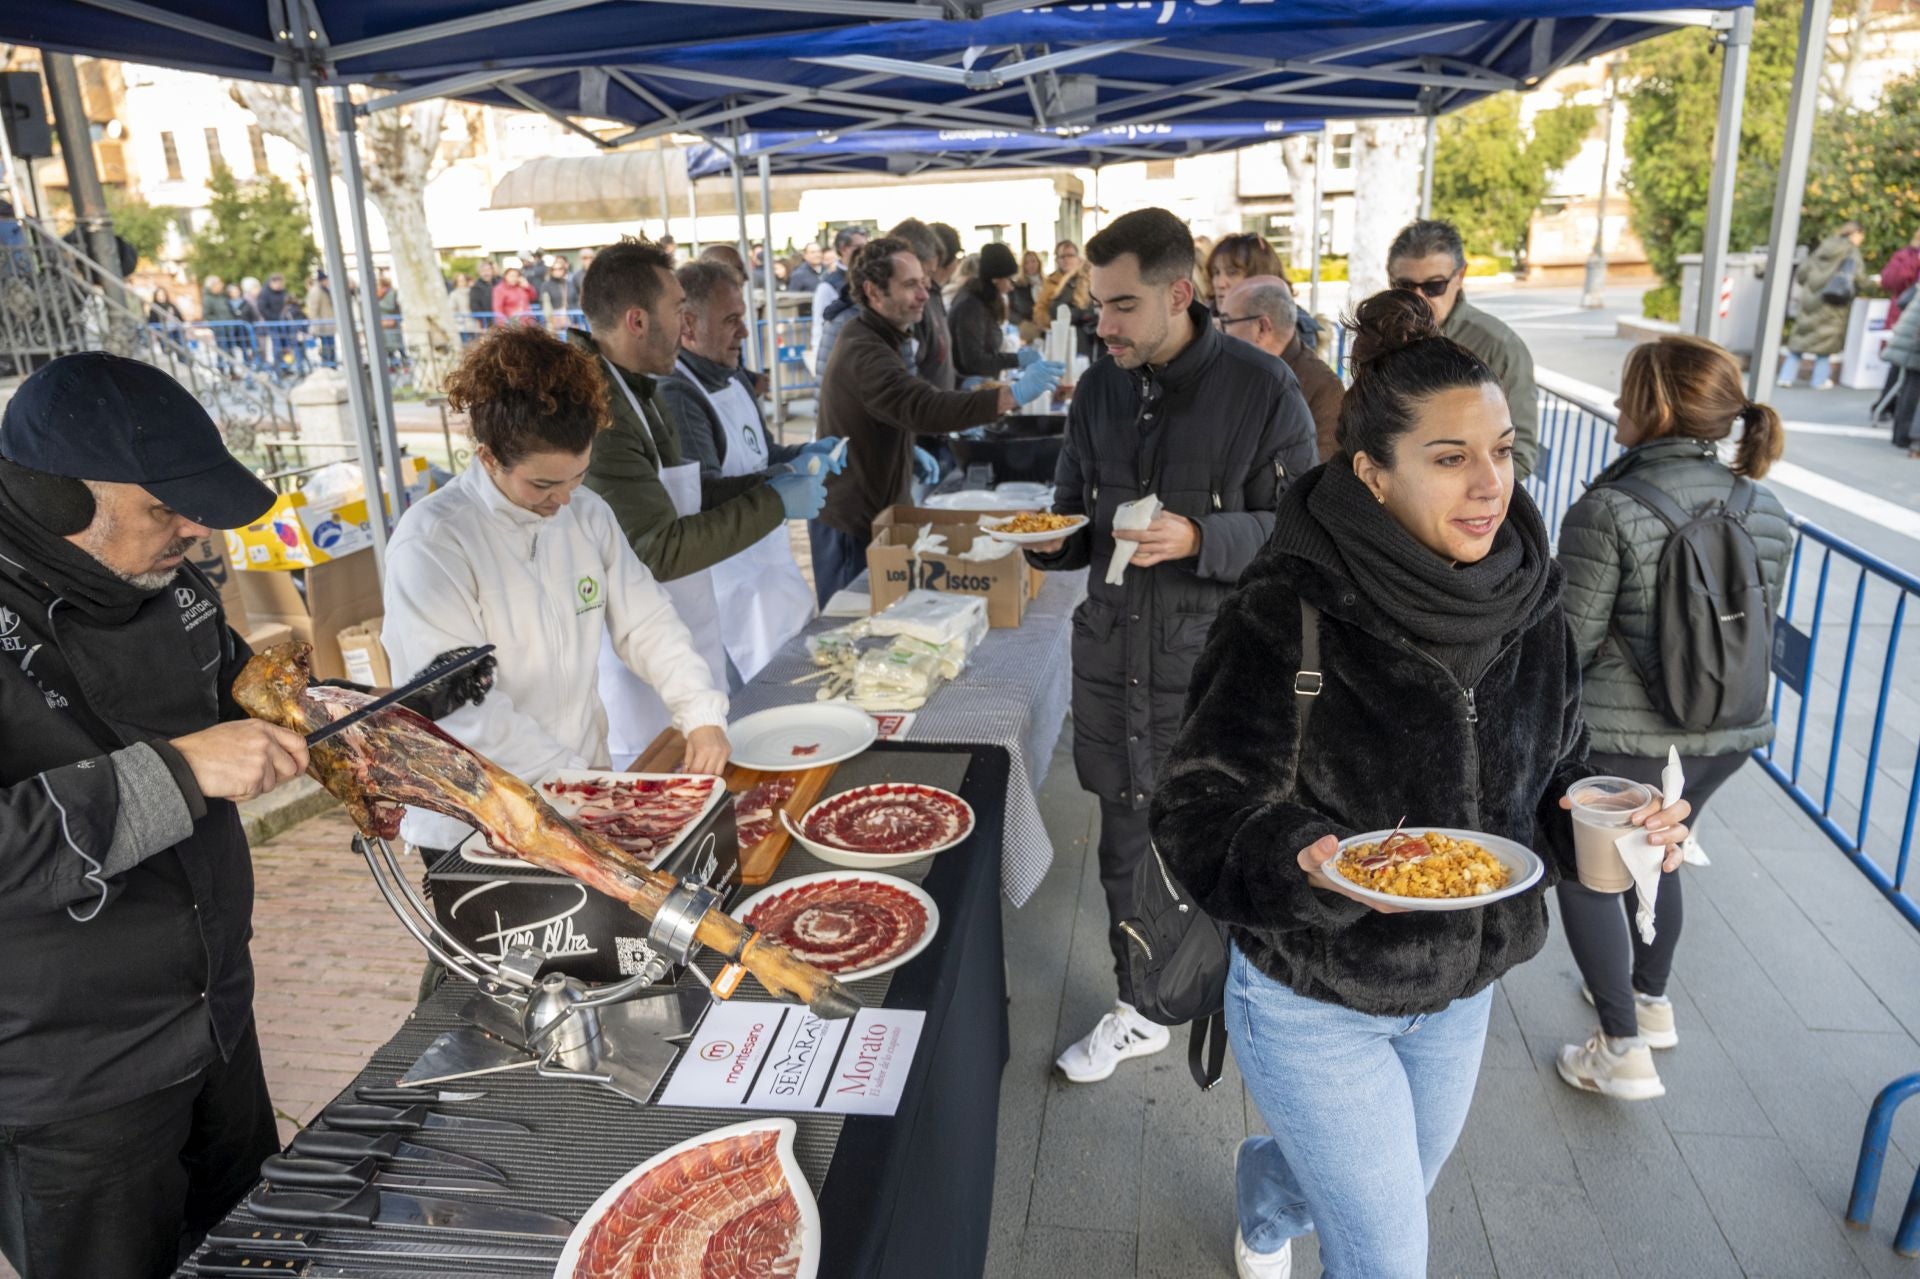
<point>1215,428</point>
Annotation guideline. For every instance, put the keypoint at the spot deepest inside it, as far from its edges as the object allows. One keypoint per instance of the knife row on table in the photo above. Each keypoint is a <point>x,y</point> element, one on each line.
<point>360,1168</point>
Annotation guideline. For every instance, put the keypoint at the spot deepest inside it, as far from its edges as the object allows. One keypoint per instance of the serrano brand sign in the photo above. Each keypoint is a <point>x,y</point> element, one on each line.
<point>750,1056</point>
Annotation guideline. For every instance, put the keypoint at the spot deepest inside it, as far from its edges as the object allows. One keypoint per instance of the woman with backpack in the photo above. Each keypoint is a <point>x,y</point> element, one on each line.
<point>1679,398</point>
<point>1407,611</point>
<point>1828,280</point>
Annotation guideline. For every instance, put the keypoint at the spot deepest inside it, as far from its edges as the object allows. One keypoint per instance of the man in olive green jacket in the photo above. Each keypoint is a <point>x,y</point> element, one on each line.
<point>632,300</point>
<point>1428,258</point>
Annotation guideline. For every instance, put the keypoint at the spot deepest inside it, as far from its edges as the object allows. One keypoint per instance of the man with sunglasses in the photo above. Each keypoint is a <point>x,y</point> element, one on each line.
<point>1428,258</point>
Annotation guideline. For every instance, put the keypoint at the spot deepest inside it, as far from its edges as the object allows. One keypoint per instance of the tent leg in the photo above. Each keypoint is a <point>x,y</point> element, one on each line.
<point>1319,169</point>
<point>1785,234</point>
<point>337,282</point>
<point>693,218</point>
<point>1426,166</point>
<point>754,354</point>
<point>660,165</point>
<point>773,299</point>
<point>346,127</point>
<point>1726,163</point>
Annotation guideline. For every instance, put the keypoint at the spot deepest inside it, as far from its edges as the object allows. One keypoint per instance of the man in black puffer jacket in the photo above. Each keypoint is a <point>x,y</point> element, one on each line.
<point>1215,428</point>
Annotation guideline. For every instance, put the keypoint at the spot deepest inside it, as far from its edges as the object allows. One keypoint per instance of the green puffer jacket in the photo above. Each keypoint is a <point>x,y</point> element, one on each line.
<point>1610,548</point>
<point>1820,326</point>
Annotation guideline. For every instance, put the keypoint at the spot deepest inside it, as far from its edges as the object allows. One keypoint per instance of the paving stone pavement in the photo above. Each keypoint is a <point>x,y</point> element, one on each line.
<point>1796,1004</point>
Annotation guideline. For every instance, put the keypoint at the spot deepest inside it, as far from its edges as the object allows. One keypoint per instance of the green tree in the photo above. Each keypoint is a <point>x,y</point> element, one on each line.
<point>1866,166</point>
<point>142,225</point>
<point>1672,102</point>
<point>1489,177</point>
<point>253,228</point>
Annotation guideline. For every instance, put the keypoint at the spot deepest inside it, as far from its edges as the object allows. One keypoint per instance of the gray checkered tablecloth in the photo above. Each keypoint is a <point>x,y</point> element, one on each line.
<point>1013,693</point>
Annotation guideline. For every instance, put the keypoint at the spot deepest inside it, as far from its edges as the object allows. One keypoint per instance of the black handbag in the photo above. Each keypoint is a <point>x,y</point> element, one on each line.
<point>1176,955</point>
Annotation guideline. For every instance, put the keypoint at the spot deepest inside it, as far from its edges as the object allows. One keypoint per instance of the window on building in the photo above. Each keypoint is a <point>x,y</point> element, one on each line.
<point>1160,170</point>
<point>1342,146</point>
<point>214,158</point>
<point>258,141</point>
<point>172,153</point>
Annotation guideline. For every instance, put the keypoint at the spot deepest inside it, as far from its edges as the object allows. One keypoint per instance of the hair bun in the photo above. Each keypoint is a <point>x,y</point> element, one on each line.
<point>1388,321</point>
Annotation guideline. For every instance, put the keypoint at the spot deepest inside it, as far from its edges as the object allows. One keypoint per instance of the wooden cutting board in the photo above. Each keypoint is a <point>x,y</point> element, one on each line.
<point>757,864</point>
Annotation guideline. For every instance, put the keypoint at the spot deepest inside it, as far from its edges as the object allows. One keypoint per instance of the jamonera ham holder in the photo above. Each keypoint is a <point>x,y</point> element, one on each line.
<point>397,758</point>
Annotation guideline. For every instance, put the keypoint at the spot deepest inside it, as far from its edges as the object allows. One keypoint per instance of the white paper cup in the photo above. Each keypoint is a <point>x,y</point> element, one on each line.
<point>1602,812</point>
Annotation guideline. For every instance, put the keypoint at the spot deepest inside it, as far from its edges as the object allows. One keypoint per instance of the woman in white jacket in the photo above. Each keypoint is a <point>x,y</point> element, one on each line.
<point>514,553</point>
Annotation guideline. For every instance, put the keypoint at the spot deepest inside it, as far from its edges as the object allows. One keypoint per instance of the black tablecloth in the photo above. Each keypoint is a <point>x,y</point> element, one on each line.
<point>907,1194</point>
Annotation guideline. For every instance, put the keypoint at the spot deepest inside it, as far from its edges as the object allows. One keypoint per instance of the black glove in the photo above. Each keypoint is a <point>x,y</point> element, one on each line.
<point>467,686</point>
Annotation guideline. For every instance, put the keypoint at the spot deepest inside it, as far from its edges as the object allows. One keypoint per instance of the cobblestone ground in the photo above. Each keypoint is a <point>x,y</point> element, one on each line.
<point>336,974</point>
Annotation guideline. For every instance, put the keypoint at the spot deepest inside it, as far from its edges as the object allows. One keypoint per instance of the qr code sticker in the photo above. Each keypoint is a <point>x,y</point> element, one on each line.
<point>633,954</point>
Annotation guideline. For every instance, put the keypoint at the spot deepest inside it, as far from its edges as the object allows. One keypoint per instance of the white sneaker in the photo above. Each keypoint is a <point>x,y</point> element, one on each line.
<point>1655,1018</point>
<point>1118,1035</point>
<point>1248,1264</point>
<point>1618,1068</point>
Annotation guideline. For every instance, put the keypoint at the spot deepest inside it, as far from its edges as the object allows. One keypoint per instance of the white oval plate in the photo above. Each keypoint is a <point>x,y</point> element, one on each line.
<point>853,858</point>
<point>827,732</point>
<point>1524,869</point>
<point>567,806</point>
<point>789,1168</point>
<point>913,890</point>
<point>991,528</point>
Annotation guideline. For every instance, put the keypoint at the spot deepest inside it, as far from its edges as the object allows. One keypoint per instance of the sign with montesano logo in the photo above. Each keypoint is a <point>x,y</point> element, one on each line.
<point>758,1056</point>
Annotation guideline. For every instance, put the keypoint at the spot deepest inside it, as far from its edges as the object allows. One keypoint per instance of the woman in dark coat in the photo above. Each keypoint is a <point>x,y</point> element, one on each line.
<point>1679,397</point>
<point>1449,695</point>
<point>979,316</point>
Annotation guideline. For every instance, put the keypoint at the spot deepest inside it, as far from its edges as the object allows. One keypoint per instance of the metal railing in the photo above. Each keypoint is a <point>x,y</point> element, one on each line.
<point>1836,648</point>
<point>55,300</point>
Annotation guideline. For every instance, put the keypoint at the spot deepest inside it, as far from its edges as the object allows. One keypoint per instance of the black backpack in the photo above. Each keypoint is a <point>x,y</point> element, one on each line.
<point>1712,616</point>
<point>1177,956</point>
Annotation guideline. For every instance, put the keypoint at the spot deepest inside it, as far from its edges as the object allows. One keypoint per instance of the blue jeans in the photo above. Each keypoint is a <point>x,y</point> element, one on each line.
<point>838,558</point>
<point>1790,369</point>
<point>1364,1110</point>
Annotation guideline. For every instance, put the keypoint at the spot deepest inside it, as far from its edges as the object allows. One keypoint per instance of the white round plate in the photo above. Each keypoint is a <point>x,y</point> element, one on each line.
<point>853,858</point>
<point>791,739</point>
<point>991,529</point>
<point>789,1168</point>
<point>913,890</point>
<point>1524,869</point>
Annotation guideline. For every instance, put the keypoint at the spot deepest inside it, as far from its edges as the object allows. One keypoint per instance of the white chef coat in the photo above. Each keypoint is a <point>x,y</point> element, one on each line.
<point>466,566</point>
<point>763,599</point>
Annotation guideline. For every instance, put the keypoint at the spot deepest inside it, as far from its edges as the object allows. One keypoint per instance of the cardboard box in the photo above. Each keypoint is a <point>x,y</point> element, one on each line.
<point>338,594</point>
<point>366,658</point>
<point>915,516</point>
<point>893,571</point>
<point>209,555</point>
<point>262,638</point>
<point>299,532</point>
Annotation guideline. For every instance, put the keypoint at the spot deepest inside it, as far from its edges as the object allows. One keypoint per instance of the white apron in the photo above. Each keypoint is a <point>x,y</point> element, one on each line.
<point>635,713</point>
<point>763,599</point>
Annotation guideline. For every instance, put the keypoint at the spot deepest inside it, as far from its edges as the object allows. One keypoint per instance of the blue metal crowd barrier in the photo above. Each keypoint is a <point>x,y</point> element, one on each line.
<point>1833,781</point>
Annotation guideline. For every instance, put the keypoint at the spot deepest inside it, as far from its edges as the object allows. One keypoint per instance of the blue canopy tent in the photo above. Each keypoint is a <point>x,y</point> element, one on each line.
<point>622,70</point>
<point>904,152</point>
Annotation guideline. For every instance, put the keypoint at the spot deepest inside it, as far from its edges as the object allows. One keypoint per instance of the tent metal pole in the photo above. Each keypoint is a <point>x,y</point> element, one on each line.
<point>345,341</point>
<point>1319,168</point>
<point>693,215</point>
<point>1785,234</point>
<point>773,297</point>
<point>1726,163</point>
<point>754,354</point>
<point>1426,166</point>
<point>660,166</point>
<point>382,400</point>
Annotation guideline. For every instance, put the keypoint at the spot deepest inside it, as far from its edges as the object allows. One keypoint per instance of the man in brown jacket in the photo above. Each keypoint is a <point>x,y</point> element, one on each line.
<point>1261,310</point>
<point>869,395</point>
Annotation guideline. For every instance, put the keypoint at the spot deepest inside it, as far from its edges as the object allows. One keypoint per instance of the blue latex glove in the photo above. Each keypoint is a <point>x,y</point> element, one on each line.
<point>925,469</point>
<point>801,495</point>
<point>1036,380</point>
<point>833,459</point>
<point>1029,355</point>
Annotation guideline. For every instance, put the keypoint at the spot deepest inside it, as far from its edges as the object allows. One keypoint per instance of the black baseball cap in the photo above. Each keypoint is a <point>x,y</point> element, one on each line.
<point>98,416</point>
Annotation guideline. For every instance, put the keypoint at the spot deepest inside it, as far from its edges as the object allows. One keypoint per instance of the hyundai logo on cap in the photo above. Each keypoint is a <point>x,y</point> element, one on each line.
<point>98,416</point>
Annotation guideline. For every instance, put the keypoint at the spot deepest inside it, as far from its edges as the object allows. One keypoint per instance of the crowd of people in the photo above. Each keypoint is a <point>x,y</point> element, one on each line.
<point>1345,609</point>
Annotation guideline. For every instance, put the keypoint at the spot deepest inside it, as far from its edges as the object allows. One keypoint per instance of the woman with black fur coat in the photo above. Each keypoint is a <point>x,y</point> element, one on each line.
<point>1450,696</point>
